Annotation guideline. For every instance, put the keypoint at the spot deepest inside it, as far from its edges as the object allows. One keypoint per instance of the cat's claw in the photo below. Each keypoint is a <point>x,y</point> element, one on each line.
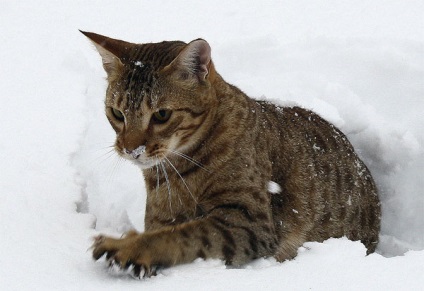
<point>134,270</point>
<point>136,273</point>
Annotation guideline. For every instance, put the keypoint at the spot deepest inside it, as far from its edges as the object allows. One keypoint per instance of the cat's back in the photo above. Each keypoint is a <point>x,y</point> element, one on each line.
<point>326,189</point>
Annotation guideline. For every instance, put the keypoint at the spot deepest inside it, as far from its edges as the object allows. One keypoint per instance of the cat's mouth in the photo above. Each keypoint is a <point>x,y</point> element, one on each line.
<point>139,158</point>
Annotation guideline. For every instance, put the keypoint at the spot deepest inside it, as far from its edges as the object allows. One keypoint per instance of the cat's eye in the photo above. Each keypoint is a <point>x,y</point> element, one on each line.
<point>118,114</point>
<point>161,116</point>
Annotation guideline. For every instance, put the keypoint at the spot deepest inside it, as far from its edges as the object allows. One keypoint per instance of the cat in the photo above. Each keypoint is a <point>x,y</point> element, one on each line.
<point>227,176</point>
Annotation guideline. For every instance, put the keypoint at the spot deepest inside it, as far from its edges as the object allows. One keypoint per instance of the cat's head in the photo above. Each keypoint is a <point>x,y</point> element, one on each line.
<point>160,99</point>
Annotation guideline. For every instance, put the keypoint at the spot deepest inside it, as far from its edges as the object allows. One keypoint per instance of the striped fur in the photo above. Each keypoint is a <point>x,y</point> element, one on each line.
<point>208,166</point>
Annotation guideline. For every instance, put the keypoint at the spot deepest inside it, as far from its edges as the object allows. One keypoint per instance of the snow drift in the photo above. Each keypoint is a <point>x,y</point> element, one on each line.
<point>359,64</point>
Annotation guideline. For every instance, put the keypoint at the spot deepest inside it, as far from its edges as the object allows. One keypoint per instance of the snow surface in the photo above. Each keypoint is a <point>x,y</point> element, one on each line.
<point>360,64</point>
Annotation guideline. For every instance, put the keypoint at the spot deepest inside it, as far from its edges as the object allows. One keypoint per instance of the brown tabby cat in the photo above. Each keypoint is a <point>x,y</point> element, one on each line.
<point>209,154</point>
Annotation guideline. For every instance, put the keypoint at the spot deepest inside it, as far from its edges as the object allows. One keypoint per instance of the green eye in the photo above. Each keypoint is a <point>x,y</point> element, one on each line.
<point>161,116</point>
<point>118,114</point>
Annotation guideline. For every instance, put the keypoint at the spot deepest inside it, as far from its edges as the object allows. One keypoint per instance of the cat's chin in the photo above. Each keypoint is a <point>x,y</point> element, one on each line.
<point>144,165</point>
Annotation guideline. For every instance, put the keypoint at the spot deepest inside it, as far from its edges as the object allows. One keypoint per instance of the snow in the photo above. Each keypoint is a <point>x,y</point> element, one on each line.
<point>360,64</point>
<point>273,187</point>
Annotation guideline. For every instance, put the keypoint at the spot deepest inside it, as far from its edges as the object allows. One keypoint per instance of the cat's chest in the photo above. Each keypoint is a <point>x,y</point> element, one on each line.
<point>170,200</point>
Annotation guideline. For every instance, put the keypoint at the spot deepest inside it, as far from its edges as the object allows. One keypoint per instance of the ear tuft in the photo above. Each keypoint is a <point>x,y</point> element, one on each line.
<point>195,59</point>
<point>111,50</point>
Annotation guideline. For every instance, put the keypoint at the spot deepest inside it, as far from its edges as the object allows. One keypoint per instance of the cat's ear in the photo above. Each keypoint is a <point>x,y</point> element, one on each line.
<point>194,60</point>
<point>111,50</point>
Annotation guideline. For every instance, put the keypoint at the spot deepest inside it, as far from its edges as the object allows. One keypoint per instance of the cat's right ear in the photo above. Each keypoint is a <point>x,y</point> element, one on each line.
<point>111,50</point>
<point>194,61</point>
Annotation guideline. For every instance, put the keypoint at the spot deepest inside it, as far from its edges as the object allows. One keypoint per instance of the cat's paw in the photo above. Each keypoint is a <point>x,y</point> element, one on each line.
<point>127,254</point>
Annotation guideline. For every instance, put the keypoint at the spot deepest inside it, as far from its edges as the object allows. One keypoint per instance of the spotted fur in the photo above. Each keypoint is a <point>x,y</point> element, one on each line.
<point>208,153</point>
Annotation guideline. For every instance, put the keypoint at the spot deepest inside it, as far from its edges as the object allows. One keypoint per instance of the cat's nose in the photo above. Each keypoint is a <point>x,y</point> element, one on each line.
<point>136,152</point>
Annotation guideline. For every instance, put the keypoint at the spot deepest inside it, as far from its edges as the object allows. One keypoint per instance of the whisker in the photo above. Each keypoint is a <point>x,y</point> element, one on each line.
<point>109,176</point>
<point>99,146</point>
<point>188,158</point>
<point>182,179</point>
<point>114,169</point>
<point>157,175</point>
<point>168,185</point>
<point>102,158</point>
<point>105,148</point>
<point>112,150</point>
<point>169,162</point>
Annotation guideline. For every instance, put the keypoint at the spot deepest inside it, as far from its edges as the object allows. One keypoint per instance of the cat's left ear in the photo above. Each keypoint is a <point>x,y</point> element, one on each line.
<point>194,60</point>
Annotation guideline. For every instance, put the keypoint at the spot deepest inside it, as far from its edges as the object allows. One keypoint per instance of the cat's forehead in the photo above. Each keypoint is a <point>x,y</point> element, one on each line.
<point>156,55</point>
<point>141,69</point>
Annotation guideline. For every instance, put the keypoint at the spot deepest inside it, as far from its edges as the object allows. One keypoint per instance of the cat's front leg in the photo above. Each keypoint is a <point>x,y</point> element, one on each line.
<point>229,232</point>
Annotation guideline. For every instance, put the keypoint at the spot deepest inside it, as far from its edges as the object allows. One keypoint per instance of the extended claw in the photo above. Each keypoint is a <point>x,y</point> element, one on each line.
<point>137,271</point>
<point>141,271</point>
<point>151,271</point>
